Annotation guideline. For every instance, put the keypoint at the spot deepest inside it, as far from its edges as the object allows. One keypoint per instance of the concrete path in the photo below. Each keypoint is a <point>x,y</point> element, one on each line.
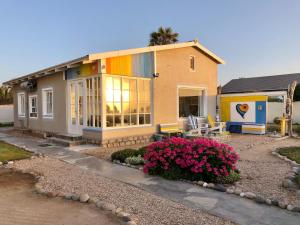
<point>241,211</point>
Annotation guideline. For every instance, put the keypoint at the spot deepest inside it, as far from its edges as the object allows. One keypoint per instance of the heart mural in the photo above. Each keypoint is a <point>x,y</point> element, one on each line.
<point>242,109</point>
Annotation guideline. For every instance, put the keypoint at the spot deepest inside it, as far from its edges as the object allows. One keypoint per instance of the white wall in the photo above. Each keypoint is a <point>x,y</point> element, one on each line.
<point>276,109</point>
<point>6,113</point>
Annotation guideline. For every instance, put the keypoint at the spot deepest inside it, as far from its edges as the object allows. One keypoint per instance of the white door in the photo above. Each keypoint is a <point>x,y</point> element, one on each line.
<point>76,106</point>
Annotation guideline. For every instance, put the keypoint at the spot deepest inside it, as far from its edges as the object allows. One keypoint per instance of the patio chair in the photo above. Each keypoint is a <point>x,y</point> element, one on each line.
<point>215,127</point>
<point>196,127</point>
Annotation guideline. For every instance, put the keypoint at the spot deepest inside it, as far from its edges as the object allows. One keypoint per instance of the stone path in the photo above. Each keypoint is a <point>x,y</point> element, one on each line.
<point>241,211</point>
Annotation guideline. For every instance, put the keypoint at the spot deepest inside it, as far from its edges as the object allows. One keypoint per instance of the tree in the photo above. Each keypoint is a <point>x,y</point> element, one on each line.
<point>5,95</point>
<point>163,36</point>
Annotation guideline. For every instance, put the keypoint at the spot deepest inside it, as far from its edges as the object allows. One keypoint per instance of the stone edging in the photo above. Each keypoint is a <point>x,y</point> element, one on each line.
<point>126,218</point>
<point>232,190</point>
<point>290,178</point>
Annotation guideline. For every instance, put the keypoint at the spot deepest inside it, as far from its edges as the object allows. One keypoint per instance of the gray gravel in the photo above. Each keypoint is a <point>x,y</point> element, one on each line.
<point>146,208</point>
<point>261,172</point>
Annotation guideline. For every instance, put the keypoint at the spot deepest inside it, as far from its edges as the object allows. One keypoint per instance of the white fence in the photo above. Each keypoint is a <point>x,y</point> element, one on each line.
<point>6,113</point>
<point>276,109</point>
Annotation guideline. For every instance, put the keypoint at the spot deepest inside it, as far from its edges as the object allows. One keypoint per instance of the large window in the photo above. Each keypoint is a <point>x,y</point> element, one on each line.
<point>93,98</point>
<point>191,102</point>
<point>33,113</point>
<point>47,95</point>
<point>21,104</point>
<point>128,101</point>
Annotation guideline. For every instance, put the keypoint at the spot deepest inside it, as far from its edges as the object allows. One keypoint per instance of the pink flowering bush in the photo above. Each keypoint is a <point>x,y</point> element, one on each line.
<point>198,159</point>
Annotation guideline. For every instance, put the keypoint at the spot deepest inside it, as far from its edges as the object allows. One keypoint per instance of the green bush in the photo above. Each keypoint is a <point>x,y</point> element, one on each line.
<point>234,176</point>
<point>123,154</point>
<point>276,120</point>
<point>296,129</point>
<point>135,160</point>
<point>273,127</point>
<point>141,151</point>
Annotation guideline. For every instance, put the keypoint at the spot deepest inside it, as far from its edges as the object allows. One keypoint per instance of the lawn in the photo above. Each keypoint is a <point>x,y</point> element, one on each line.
<point>9,152</point>
<point>292,153</point>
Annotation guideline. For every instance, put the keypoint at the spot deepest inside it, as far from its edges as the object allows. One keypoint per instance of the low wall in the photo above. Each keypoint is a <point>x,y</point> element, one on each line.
<point>6,113</point>
<point>276,109</point>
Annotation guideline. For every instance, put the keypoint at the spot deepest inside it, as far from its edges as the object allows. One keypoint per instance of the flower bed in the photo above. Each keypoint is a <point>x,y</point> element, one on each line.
<point>198,159</point>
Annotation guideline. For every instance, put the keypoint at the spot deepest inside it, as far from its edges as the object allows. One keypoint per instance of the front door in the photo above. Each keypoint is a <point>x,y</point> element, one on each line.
<point>76,106</point>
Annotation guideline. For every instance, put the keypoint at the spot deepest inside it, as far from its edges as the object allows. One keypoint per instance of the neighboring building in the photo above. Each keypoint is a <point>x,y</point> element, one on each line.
<point>274,88</point>
<point>119,94</point>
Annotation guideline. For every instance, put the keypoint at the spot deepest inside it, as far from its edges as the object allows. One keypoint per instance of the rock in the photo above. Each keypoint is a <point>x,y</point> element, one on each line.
<point>275,202</point>
<point>250,195</point>
<point>32,157</point>
<point>268,201</point>
<point>294,163</point>
<point>1,163</point>
<point>117,210</point>
<point>242,194</point>
<point>282,205</point>
<point>93,200</point>
<point>68,196</point>
<point>108,207</point>
<point>131,222</point>
<point>99,204</point>
<point>205,184</point>
<point>84,198</point>
<point>75,197</point>
<point>10,162</point>
<point>219,187</point>
<point>210,185</point>
<point>296,209</point>
<point>124,216</point>
<point>200,182</point>
<point>237,191</point>
<point>229,191</point>
<point>290,207</point>
<point>260,200</point>
<point>298,192</point>
<point>287,183</point>
<point>296,169</point>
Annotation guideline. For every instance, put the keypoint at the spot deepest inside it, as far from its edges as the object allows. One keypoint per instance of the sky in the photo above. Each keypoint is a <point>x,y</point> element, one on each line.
<point>254,37</point>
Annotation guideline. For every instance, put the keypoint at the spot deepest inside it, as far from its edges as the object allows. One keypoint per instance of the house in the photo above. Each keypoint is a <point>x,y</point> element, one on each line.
<point>269,89</point>
<point>119,96</point>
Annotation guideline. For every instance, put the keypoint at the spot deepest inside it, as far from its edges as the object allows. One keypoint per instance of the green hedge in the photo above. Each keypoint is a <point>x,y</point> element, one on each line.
<point>126,153</point>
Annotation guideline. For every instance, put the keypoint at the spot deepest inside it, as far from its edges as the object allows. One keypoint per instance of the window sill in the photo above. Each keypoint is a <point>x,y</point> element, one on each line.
<point>47,117</point>
<point>127,127</point>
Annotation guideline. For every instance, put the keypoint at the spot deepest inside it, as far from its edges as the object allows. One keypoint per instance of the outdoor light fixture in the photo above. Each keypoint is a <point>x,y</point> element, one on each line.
<point>155,75</point>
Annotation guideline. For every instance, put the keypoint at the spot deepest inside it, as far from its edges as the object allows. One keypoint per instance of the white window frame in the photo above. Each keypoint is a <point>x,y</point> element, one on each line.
<point>204,100</point>
<point>21,110</point>
<point>194,58</point>
<point>30,97</point>
<point>44,103</point>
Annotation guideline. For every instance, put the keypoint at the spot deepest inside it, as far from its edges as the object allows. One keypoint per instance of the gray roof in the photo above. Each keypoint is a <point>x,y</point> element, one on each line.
<point>260,84</point>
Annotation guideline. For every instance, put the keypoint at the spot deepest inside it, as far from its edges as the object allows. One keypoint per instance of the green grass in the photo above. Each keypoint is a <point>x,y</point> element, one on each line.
<point>292,153</point>
<point>9,152</point>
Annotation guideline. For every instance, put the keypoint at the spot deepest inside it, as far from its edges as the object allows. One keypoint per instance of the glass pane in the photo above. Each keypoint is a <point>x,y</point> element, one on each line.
<point>118,120</point>
<point>125,95</point>
<point>117,96</point>
<point>109,83</point>
<point>125,107</point>
<point>117,108</point>
<point>142,107</point>
<point>133,119</point>
<point>141,119</point>
<point>125,84</point>
<point>147,107</point>
<point>117,83</point>
<point>109,95</point>
<point>109,121</point>
<point>109,108</point>
<point>126,120</point>
<point>80,102</point>
<point>147,119</point>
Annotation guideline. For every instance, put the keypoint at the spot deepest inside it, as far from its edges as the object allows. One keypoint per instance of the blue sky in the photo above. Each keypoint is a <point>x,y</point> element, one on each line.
<point>254,37</point>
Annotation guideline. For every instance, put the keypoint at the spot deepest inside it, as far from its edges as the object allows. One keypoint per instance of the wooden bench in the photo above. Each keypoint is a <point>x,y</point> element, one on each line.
<point>170,128</point>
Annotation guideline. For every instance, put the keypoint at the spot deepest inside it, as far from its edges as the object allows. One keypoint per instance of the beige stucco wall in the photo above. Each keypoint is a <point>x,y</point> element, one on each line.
<point>56,124</point>
<point>173,67</point>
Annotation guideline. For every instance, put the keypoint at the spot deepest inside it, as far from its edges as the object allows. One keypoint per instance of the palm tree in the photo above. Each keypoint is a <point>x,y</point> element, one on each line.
<point>163,36</point>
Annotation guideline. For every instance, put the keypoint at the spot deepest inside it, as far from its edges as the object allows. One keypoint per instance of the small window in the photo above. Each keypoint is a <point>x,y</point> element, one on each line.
<point>191,102</point>
<point>21,104</point>
<point>48,103</point>
<point>192,63</point>
<point>33,113</point>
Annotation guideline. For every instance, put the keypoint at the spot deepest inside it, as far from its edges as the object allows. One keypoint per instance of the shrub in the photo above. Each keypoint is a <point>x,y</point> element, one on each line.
<point>141,151</point>
<point>234,176</point>
<point>135,160</point>
<point>199,159</point>
<point>123,154</point>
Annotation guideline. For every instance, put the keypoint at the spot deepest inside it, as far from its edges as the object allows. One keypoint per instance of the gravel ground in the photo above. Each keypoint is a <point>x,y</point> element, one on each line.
<point>148,209</point>
<point>261,172</point>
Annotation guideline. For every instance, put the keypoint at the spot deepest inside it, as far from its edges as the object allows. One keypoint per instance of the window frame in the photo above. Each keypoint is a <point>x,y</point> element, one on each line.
<point>30,97</point>
<point>204,100</point>
<point>122,126</point>
<point>19,96</point>
<point>45,103</point>
<point>192,58</point>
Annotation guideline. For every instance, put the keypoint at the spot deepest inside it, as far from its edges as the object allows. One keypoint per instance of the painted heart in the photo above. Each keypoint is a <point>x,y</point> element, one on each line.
<point>242,109</point>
